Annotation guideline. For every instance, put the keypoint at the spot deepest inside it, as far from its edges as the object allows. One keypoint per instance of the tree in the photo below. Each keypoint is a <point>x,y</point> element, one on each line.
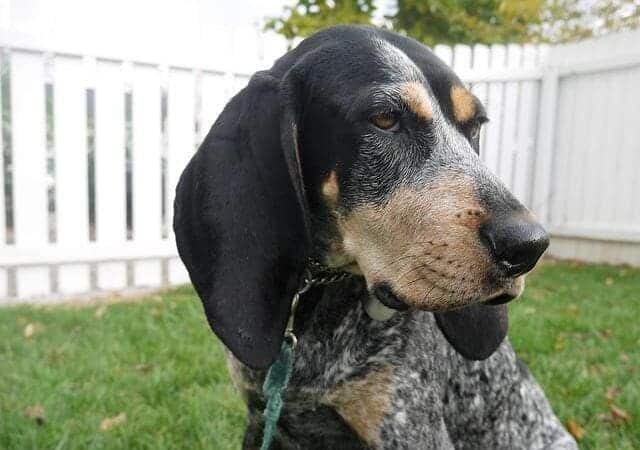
<point>309,16</point>
<point>470,21</point>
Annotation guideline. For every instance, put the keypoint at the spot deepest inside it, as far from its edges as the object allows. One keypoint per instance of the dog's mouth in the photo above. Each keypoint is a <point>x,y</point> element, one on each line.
<point>500,299</point>
<point>385,294</point>
<point>511,292</point>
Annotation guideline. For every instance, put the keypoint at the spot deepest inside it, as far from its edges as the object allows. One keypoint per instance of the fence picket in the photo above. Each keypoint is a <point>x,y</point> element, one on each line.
<point>146,159</point>
<point>548,114</point>
<point>481,90</point>
<point>110,170</point>
<point>510,111</point>
<point>567,102</point>
<point>29,167</point>
<point>461,58</point>
<point>608,120</point>
<point>525,129</point>
<point>70,140</point>
<point>590,119</point>
<point>494,110</point>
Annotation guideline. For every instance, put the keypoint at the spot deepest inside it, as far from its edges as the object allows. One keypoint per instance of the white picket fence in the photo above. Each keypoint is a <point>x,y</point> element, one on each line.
<point>563,135</point>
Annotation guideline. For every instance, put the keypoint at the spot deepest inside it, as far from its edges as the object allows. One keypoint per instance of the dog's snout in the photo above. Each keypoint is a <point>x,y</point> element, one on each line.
<point>515,243</point>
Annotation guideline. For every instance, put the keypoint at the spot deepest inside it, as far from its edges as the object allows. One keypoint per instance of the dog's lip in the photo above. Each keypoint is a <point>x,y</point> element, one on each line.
<point>389,298</point>
<point>384,293</point>
<point>499,299</point>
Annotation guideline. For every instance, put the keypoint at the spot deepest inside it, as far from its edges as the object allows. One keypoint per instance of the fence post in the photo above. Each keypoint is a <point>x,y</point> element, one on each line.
<point>545,139</point>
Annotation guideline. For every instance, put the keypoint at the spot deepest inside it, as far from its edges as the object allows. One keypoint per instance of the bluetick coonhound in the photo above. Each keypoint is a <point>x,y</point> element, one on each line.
<point>410,352</point>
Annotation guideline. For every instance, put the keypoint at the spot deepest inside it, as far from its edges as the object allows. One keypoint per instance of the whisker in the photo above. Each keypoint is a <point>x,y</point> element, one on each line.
<point>421,266</point>
<point>402,258</point>
<point>424,299</point>
<point>423,278</point>
<point>429,242</point>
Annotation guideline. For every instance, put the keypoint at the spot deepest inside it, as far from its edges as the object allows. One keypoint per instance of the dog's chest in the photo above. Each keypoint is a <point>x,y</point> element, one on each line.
<point>352,375</point>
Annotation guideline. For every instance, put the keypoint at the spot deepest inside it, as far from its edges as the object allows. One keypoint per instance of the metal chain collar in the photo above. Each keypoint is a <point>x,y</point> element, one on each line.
<point>315,274</point>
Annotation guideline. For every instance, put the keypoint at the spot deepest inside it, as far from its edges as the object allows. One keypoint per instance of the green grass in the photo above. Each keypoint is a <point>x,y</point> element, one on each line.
<point>157,362</point>
<point>577,328</point>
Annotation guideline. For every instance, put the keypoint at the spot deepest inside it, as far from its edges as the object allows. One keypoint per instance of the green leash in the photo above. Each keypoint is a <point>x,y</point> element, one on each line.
<point>274,385</point>
<point>280,370</point>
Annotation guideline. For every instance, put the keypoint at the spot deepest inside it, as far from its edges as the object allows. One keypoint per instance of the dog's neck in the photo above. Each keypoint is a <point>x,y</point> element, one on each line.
<point>319,275</point>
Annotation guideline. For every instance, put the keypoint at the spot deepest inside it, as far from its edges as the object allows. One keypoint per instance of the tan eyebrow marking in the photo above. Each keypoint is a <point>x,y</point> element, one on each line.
<point>463,102</point>
<point>416,98</point>
<point>331,189</point>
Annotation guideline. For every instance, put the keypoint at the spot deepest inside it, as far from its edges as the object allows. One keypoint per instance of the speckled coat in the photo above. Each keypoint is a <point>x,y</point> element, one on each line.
<point>397,384</point>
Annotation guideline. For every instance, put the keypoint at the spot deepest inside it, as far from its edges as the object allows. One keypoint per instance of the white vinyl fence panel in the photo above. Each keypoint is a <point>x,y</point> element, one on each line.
<point>94,144</point>
<point>592,199</point>
<point>134,124</point>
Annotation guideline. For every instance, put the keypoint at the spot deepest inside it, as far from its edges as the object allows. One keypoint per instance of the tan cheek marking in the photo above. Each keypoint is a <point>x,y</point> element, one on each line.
<point>464,106</point>
<point>331,189</point>
<point>424,243</point>
<point>364,403</point>
<point>416,97</point>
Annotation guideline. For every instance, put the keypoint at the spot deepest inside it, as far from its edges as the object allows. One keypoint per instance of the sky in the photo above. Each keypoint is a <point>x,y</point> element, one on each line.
<point>99,14</point>
<point>42,14</point>
<point>221,31</point>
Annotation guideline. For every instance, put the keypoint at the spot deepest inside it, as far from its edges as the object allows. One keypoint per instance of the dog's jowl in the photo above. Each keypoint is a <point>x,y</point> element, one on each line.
<point>357,152</point>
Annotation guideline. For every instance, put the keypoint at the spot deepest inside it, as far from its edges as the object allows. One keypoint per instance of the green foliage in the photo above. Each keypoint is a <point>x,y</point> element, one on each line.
<point>157,362</point>
<point>308,16</point>
<point>469,21</point>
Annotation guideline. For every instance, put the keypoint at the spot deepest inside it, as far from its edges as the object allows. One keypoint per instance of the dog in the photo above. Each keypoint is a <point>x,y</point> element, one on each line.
<point>359,150</point>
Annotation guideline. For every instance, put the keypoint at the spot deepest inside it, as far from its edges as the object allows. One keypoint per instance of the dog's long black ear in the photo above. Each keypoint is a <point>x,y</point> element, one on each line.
<point>475,331</point>
<point>239,224</point>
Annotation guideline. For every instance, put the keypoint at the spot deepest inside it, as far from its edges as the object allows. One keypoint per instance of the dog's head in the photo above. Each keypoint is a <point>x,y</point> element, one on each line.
<point>388,185</point>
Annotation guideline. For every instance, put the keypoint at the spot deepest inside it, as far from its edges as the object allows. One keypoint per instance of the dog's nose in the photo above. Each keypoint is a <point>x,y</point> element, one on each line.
<point>516,243</point>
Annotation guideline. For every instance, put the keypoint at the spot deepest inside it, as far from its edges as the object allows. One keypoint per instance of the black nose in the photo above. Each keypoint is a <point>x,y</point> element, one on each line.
<point>515,243</point>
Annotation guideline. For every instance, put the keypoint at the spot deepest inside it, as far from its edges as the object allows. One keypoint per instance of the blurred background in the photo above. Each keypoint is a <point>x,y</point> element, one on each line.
<point>103,103</point>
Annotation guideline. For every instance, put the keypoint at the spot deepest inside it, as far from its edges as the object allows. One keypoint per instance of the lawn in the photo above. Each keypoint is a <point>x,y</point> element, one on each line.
<point>151,375</point>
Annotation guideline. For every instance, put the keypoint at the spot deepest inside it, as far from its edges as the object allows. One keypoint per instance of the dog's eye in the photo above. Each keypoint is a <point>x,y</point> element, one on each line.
<point>385,121</point>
